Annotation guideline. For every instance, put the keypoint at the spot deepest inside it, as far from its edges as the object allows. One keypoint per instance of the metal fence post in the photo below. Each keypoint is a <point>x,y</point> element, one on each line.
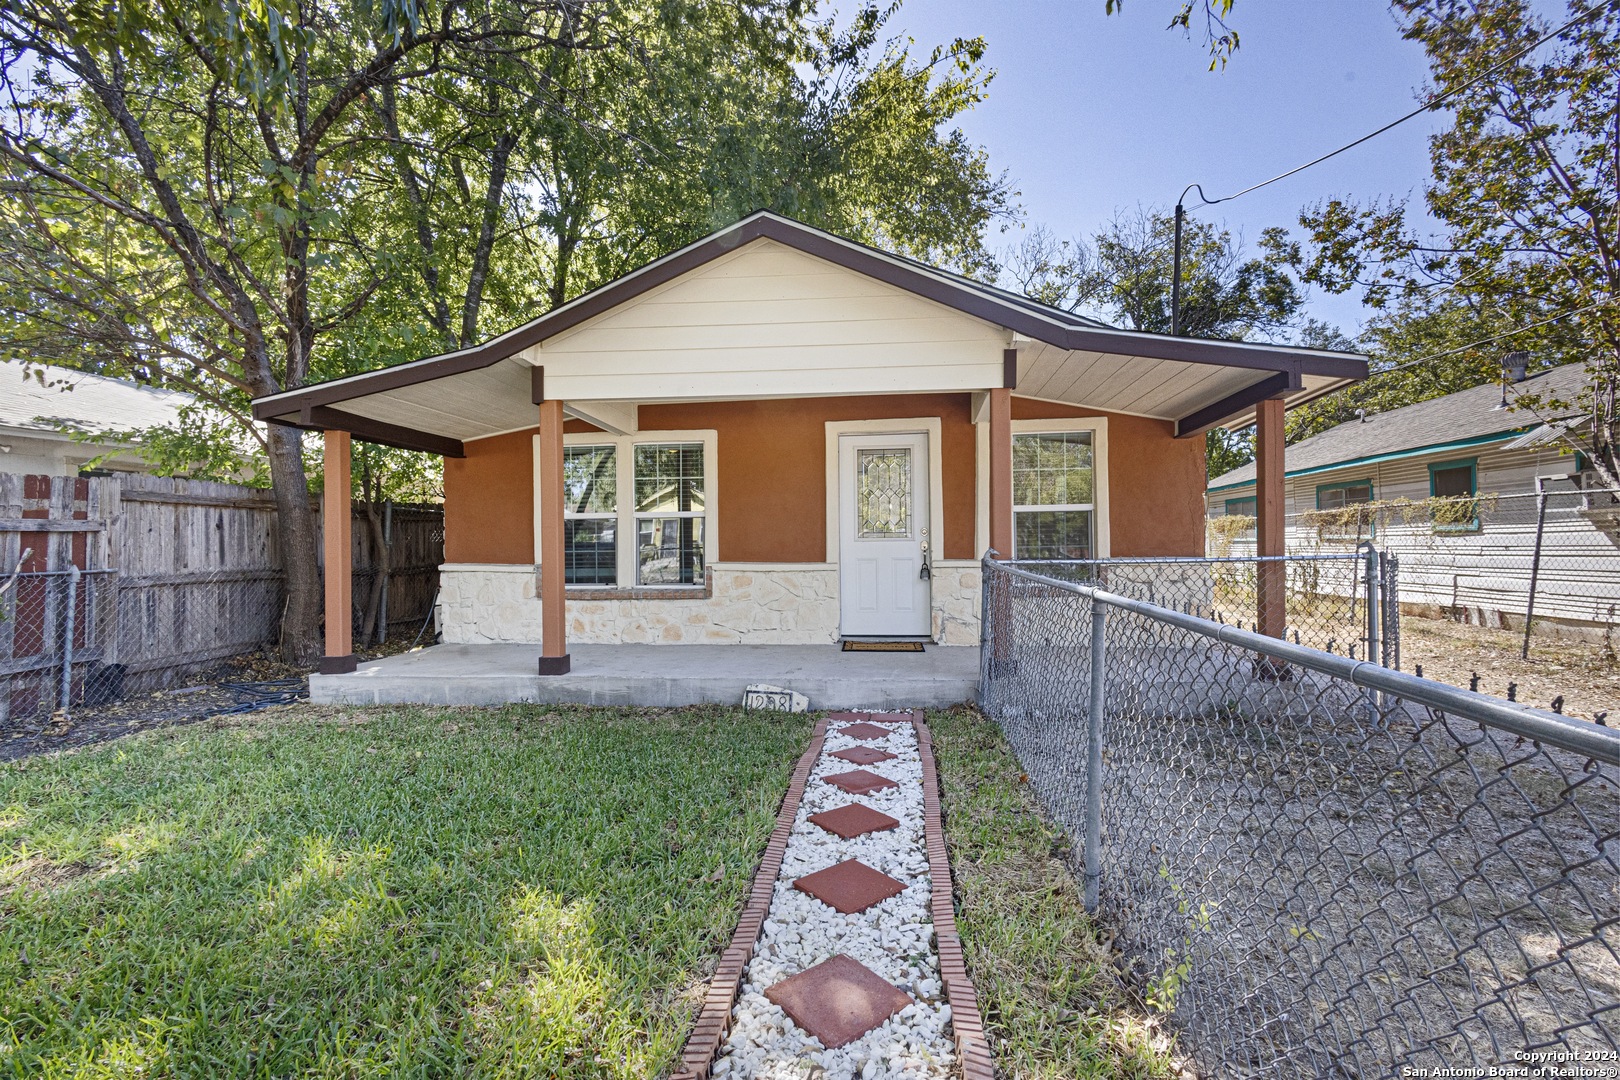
<point>1374,614</point>
<point>68,614</point>
<point>1094,738</point>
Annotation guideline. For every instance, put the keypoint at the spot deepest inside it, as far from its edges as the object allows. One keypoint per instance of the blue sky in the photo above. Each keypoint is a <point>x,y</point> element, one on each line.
<point>1089,114</point>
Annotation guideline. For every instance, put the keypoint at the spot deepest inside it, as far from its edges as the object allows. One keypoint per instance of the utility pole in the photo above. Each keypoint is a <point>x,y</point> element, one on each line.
<point>1175,262</point>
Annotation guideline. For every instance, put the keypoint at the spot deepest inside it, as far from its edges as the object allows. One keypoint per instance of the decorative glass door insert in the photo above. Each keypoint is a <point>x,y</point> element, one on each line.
<point>883,493</point>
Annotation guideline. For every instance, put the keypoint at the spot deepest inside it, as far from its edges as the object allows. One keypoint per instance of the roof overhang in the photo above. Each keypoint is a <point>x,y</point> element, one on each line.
<point>438,403</point>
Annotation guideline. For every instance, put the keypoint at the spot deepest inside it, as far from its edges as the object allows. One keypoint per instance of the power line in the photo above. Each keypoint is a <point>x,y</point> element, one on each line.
<point>1426,107</point>
<point>1491,340</point>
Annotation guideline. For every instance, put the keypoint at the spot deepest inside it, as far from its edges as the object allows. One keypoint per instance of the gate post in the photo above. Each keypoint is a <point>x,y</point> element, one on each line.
<point>1094,738</point>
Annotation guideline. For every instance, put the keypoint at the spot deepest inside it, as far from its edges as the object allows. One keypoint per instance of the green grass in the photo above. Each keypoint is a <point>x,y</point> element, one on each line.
<point>391,892</point>
<point>1047,985</point>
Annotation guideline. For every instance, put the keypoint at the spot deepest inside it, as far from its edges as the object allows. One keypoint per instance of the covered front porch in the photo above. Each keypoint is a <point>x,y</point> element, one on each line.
<point>658,675</point>
<point>770,441</point>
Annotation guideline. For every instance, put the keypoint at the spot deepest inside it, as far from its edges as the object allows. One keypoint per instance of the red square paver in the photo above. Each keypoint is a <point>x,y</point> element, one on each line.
<point>850,886</point>
<point>865,731</point>
<point>859,781</point>
<point>838,1000</point>
<point>863,755</point>
<point>853,820</point>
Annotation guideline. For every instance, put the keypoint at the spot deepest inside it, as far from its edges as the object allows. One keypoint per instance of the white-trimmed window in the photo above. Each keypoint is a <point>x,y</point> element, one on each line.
<point>591,514</point>
<point>638,508</point>
<point>1054,495</point>
<point>671,488</point>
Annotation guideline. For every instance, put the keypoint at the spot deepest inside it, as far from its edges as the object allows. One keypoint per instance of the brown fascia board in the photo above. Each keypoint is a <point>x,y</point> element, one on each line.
<point>936,286</point>
<point>324,418</point>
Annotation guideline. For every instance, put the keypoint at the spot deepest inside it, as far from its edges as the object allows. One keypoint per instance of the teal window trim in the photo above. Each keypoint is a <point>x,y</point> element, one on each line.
<point>1372,496</point>
<point>1472,465</point>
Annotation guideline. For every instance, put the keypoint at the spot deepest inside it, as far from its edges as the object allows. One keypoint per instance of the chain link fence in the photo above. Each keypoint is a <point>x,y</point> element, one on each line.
<point>1542,566</point>
<point>1339,602</point>
<point>80,639</point>
<point>1316,865</point>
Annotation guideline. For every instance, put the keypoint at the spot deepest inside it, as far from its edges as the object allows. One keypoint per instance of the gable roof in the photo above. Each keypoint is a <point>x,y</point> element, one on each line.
<point>77,401</point>
<point>1299,373</point>
<point>1474,415</point>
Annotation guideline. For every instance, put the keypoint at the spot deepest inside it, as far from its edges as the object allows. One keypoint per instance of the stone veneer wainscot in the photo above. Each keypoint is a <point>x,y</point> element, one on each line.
<point>490,603</point>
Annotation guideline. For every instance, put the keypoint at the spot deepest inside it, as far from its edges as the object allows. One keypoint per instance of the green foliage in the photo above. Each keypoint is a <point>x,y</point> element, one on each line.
<point>1219,38</point>
<point>1524,183</point>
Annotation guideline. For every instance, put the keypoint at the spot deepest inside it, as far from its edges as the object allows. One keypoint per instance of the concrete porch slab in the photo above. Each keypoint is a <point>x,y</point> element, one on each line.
<point>660,675</point>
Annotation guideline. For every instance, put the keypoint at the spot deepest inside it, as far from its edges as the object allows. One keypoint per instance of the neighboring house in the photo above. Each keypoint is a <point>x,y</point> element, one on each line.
<point>778,436</point>
<point>1472,465</point>
<point>74,417</point>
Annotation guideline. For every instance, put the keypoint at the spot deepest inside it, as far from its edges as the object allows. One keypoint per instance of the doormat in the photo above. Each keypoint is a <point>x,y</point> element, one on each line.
<point>883,646</point>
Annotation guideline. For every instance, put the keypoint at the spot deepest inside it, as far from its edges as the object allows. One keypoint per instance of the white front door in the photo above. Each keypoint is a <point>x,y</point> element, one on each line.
<point>883,540</point>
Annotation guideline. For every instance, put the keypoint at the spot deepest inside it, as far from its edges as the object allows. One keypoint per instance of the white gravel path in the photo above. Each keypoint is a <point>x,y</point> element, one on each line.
<point>894,938</point>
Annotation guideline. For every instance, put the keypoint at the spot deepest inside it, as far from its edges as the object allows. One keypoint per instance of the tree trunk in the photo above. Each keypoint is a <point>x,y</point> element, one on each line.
<point>295,534</point>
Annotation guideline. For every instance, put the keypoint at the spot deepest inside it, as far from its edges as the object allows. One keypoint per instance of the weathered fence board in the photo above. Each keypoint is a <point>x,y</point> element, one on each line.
<point>158,578</point>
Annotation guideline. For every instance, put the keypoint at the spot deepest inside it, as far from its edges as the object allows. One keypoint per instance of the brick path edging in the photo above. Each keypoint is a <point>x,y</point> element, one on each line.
<point>709,1034</point>
<point>972,1047</point>
<point>715,1017</point>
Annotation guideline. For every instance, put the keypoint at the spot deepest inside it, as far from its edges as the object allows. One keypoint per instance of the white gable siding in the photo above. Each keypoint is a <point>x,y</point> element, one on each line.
<point>769,320</point>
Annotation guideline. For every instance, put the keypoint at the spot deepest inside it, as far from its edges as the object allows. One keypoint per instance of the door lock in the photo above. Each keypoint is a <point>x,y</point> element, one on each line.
<point>927,571</point>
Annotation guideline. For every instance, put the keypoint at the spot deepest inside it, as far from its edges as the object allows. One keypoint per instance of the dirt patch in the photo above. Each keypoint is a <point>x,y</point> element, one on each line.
<point>1584,674</point>
<point>39,874</point>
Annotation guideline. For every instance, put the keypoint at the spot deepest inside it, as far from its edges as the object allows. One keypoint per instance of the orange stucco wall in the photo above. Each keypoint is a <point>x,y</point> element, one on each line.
<point>772,478</point>
<point>489,501</point>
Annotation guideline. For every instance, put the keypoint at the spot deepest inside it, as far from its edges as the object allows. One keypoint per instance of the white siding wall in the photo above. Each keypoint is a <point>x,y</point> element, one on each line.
<point>769,320</point>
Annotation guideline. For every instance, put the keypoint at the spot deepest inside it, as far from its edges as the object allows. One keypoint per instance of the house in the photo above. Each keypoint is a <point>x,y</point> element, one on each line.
<point>56,426</point>
<point>776,436</point>
<point>1483,503</point>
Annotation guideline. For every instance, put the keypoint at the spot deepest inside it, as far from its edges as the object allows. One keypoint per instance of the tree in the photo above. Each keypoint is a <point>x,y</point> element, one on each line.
<point>1123,274</point>
<point>240,201</point>
<point>1524,184</point>
<point>1219,38</point>
<point>180,188</point>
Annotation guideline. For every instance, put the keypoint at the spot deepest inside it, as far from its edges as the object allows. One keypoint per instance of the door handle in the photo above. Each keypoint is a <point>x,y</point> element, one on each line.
<point>927,571</point>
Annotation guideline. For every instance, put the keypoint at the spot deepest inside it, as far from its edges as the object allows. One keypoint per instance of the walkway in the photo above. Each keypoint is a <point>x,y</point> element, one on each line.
<point>847,956</point>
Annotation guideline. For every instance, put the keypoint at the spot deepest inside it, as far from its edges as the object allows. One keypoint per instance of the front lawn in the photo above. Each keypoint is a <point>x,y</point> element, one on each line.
<point>401,892</point>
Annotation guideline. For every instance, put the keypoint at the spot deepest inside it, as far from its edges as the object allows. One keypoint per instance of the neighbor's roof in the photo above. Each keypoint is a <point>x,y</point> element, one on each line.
<point>1455,421</point>
<point>77,401</point>
<point>1195,383</point>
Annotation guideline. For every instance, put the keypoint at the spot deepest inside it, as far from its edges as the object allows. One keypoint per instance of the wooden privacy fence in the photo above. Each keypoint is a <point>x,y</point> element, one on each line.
<point>116,585</point>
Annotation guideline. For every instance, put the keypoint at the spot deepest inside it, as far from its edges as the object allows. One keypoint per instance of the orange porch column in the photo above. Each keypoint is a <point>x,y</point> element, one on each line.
<point>336,531</point>
<point>554,658</point>
<point>1271,584</point>
<point>1001,471</point>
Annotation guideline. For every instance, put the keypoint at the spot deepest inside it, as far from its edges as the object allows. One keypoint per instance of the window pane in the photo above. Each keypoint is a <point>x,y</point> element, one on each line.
<point>669,550</point>
<point>1335,498</point>
<point>590,480</point>
<point>883,493</point>
<point>1052,469</point>
<point>669,477</point>
<point>590,553</point>
<point>1049,534</point>
<point>1452,483</point>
